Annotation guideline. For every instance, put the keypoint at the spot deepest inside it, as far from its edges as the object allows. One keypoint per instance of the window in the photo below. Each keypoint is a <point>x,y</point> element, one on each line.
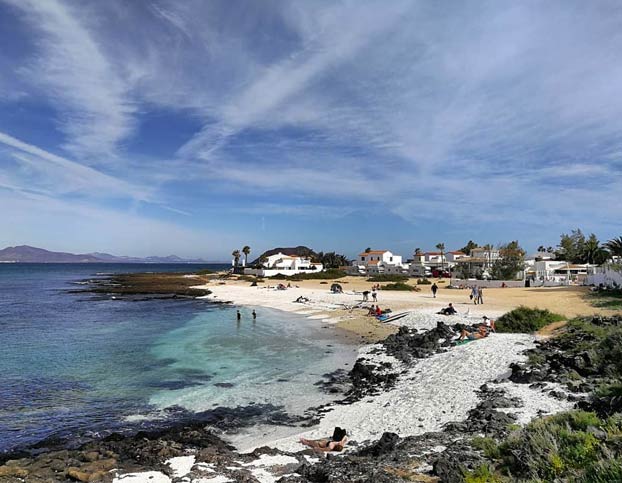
<point>390,259</point>
<point>362,259</point>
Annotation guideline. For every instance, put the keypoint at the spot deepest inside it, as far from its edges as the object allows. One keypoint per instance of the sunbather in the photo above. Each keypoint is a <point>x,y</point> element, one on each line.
<point>481,333</point>
<point>336,443</point>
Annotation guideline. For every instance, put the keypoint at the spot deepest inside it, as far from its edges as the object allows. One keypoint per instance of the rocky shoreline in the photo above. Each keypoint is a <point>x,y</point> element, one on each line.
<point>146,286</point>
<point>438,455</point>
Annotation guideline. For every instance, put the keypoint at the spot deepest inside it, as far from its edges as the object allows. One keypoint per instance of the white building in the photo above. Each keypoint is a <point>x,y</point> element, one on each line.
<point>559,271</point>
<point>280,263</point>
<point>379,261</point>
<point>424,263</point>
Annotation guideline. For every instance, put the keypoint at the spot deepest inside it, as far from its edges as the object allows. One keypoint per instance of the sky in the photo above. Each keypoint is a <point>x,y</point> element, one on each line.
<point>157,127</point>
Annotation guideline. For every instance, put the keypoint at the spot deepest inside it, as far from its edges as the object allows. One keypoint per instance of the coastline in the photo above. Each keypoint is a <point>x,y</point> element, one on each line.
<point>443,387</point>
<point>429,393</point>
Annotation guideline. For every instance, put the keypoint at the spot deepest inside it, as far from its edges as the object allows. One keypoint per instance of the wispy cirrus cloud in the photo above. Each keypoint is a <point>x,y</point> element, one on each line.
<point>445,116</point>
<point>50,173</point>
<point>72,71</point>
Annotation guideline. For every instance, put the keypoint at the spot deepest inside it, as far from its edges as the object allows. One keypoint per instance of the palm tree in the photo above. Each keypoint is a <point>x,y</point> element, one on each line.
<point>441,247</point>
<point>236,257</point>
<point>488,248</point>
<point>246,250</point>
<point>615,246</point>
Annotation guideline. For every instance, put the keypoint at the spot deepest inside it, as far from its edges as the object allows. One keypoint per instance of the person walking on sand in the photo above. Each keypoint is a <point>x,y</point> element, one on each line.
<point>474,294</point>
<point>480,295</point>
<point>434,289</point>
<point>365,295</point>
<point>374,294</point>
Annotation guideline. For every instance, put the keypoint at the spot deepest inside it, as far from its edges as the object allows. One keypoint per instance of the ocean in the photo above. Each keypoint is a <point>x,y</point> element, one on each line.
<point>75,367</point>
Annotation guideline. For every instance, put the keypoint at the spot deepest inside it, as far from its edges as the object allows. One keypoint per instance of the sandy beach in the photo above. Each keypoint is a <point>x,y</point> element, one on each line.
<point>341,308</point>
<point>430,392</point>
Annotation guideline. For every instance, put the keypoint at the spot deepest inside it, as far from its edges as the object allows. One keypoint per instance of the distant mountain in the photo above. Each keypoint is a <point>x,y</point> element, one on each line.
<point>27,254</point>
<point>299,251</point>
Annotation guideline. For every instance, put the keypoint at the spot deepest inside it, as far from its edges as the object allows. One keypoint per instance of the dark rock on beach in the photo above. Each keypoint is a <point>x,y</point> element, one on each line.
<point>146,286</point>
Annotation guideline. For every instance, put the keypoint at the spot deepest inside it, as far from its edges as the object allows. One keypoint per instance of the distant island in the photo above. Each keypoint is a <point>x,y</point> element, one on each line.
<point>28,254</point>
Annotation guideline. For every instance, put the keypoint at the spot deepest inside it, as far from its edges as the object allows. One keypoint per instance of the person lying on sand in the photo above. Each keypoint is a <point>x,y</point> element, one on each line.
<point>372,310</point>
<point>449,310</point>
<point>336,443</point>
<point>301,300</point>
<point>481,333</point>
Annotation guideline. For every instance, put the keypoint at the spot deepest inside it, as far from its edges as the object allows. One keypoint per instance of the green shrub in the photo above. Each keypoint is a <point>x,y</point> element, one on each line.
<point>553,447</point>
<point>388,277</point>
<point>250,278</point>
<point>603,471</point>
<point>482,474</point>
<point>398,286</point>
<point>488,446</point>
<point>204,272</point>
<point>423,281</point>
<point>525,320</point>
<point>330,274</point>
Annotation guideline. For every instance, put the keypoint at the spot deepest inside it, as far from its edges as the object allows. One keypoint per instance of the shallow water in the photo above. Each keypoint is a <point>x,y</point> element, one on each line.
<point>73,366</point>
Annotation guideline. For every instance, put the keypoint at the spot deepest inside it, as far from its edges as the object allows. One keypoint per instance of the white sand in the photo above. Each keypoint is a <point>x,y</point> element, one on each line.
<point>143,477</point>
<point>429,394</point>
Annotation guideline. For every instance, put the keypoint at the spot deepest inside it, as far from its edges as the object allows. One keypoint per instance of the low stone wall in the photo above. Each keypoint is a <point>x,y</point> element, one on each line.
<point>607,277</point>
<point>487,283</point>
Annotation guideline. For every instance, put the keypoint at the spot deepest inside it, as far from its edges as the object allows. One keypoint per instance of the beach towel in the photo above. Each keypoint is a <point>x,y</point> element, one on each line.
<point>464,341</point>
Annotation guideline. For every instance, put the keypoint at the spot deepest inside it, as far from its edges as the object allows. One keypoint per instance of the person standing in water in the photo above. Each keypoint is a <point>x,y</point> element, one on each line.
<point>239,316</point>
<point>254,315</point>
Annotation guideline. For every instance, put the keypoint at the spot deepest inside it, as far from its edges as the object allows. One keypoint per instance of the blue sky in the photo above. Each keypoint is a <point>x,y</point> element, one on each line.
<point>157,127</point>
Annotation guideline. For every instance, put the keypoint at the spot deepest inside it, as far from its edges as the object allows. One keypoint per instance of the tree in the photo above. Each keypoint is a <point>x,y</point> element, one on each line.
<point>236,257</point>
<point>418,251</point>
<point>615,246</point>
<point>593,252</point>
<point>246,251</point>
<point>488,247</point>
<point>576,248</point>
<point>441,247</point>
<point>367,250</point>
<point>571,247</point>
<point>332,260</point>
<point>468,247</point>
<point>511,261</point>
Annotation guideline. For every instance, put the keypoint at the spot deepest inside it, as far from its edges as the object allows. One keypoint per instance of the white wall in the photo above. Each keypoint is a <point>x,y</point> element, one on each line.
<point>606,276</point>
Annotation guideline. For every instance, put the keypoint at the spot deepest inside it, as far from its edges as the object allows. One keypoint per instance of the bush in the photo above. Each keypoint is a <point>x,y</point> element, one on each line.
<point>398,286</point>
<point>554,447</point>
<point>482,474</point>
<point>525,320</point>
<point>250,278</point>
<point>388,277</point>
<point>330,274</point>
<point>488,446</point>
<point>423,281</point>
<point>204,272</point>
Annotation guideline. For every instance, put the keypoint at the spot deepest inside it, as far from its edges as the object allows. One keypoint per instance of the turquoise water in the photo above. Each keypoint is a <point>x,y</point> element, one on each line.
<point>75,367</point>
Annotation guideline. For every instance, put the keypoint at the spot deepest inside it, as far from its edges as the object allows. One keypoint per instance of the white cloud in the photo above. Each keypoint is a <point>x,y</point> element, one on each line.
<point>73,72</point>
<point>52,173</point>
<point>54,224</point>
